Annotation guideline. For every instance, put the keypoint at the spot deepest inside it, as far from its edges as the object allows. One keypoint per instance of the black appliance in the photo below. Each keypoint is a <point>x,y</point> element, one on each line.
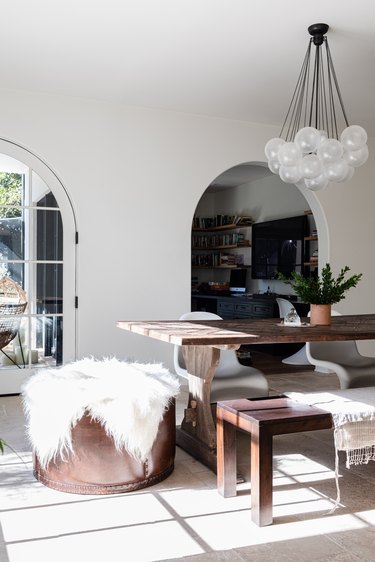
<point>278,247</point>
<point>237,283</point>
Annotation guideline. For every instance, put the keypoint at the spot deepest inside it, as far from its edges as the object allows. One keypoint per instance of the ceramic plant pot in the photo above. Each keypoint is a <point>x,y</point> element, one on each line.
<point>320,314</point>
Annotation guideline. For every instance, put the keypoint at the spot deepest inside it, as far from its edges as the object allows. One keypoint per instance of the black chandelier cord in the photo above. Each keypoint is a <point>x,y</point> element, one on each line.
<point>302,98</point>
<point>297,92</point>
<point>313,100</point>
<point>333,131</point>
<point>336,82</point>
<point>321,103</point>
<point>315,88</point>
<point>324,125</point>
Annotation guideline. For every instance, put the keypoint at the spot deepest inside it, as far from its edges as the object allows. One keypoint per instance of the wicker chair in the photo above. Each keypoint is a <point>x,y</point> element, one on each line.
<point>10,320</point>
<point>11,292</point>
<point>12,306</point>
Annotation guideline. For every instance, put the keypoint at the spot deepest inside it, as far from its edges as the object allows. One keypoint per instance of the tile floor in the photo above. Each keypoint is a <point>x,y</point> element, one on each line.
<point>184,518</point>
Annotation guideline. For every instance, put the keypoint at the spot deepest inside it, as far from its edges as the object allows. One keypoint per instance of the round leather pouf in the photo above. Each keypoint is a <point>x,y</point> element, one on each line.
<point>97,467</point>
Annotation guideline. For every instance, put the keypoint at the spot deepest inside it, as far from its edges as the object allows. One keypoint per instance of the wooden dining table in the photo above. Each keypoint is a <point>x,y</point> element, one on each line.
<point>201,342</point>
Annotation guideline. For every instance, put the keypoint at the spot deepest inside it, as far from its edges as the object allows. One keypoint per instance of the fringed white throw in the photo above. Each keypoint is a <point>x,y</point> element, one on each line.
<point>128,399</point>
<point>353,418</point>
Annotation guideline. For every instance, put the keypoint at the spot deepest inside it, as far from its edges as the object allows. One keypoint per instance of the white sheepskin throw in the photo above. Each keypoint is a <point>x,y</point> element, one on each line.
<point>127,399</point>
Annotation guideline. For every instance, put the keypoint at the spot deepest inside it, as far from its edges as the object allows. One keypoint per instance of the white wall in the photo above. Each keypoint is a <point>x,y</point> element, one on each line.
<point>135,177</point>
<point>263,199</point>
<point>349,210</point>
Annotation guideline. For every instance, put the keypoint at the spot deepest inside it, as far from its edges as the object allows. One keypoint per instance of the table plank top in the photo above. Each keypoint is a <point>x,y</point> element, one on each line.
<point>271,410</point>
<point>218,333</point>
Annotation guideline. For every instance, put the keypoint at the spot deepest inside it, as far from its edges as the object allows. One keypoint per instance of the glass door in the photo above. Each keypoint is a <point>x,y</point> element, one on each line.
<point>32,256</point>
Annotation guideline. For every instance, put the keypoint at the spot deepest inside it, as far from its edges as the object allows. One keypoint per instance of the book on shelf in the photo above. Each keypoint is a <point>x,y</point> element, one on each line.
<point>244,221</point>
<point>203,241</point>
<point>226,260</point>
<point>221,220</point>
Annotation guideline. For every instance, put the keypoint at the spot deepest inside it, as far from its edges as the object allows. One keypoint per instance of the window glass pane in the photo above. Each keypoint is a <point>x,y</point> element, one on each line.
<point>15,271</point>
<point>47,339</point>
<point>12,217</point>
<point>41,195</point>
<point>13,328</point>
<point>48,228</point>
<point>37,343</point>
<point>49,289</point>
<point>11,193</point>
<point>12,236</point>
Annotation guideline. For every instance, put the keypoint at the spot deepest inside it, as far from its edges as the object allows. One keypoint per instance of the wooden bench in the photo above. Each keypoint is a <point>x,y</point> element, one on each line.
<point>263,419</point>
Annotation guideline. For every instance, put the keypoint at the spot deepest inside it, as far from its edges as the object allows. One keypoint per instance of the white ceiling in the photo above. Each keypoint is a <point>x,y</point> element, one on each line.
<point>236,59</point>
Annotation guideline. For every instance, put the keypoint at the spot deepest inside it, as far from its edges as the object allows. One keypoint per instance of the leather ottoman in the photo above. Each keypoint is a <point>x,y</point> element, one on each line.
<point>97,467</point>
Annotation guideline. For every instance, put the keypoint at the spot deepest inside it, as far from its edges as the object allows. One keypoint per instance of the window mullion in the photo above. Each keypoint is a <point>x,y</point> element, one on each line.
<point>29,255</point>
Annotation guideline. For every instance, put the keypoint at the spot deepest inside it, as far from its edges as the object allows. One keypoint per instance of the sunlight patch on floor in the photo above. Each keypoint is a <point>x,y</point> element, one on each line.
<point>192,503</point>
<point>214,529</point>
<point>97,514</point>
<point>143,543</point>
<point>299,468</point>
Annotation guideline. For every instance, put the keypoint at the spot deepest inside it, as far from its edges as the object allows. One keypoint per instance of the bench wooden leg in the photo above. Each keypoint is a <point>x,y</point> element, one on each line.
<point>226,458</point>
<point>261,477</point>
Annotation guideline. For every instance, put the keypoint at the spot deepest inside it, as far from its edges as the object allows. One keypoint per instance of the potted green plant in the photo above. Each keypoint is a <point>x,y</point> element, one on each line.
<point>322,292</point>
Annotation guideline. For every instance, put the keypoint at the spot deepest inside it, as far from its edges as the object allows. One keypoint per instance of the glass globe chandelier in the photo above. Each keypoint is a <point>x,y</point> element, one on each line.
<point>309,152</point>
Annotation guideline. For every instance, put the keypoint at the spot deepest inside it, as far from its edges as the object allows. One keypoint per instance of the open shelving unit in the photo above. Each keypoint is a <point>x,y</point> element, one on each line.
<point>212,236</point>
<point>308,262</point>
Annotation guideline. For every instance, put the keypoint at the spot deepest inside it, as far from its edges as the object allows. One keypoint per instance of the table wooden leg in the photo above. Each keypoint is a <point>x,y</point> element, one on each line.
<point>198,426</point>
<point>261,476</point>
<point>226,457</point>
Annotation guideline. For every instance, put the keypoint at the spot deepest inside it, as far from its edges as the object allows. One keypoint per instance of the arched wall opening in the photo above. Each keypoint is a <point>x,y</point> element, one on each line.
<point>250,189</point>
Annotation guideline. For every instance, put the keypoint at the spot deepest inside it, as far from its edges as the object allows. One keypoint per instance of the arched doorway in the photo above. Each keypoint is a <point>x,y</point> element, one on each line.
<point>250,189</point>
<point>37,251</point>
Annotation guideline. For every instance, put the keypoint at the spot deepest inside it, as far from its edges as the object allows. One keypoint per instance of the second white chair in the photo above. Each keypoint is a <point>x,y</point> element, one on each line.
<point>300,357</point>
<point>232,380</point>
<point>343,358</point>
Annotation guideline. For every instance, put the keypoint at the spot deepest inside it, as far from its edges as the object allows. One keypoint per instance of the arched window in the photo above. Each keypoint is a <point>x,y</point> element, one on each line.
<point>37,251</point>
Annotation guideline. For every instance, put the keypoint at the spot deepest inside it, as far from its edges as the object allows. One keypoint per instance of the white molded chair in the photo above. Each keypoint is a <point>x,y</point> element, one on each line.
<point>343,358</point>
<point>300,357</point>
<point>232,380</point>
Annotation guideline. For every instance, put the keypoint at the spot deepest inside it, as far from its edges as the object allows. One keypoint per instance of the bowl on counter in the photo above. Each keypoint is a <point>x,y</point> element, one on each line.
<point>214,286</point>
